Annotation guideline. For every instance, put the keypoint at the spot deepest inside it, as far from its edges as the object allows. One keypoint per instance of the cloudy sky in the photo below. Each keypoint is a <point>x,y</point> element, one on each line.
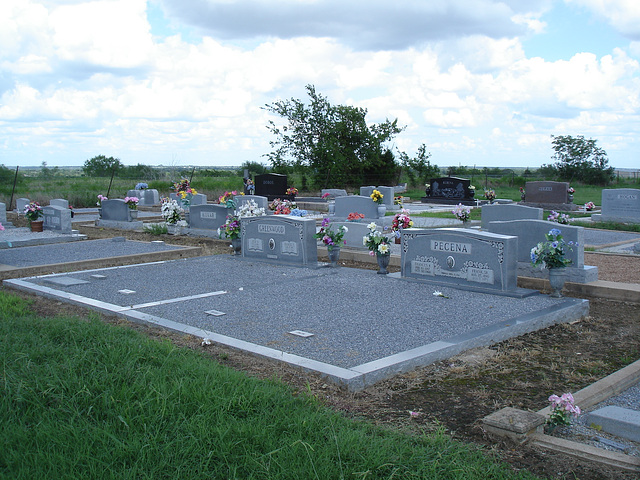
<point>182,82</point>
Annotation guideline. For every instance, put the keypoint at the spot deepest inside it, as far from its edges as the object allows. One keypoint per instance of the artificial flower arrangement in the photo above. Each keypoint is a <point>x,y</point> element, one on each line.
<point>227,199</point>
<point>251,187</point>
<point>376,196</point>
<point>251,209</point>
<point>472,187</point>
<point>331,238</point>
<point>184,191</point>
<point>560,218</point>
<point>571,191</point>
<point>562,409</point>
<point>141,186</point>
<point>171,211</point>
<point>589,206</point>
<point>33,211</point>
<point>296,212</point>
<point>355,217</point>
<point>282,207</point>
<point>551,253</point>
<point>292,191</point>
<point>231,227</point>
<point>490,195</point>
<point>325,195</point>
<point>401,220</point>
<point>101,198</point>
<point>398,200</point>
<point>462,212</point>
<point>376,242</point>
<point>1,228</point>
<point>132,202</point>
<point>522,192</point>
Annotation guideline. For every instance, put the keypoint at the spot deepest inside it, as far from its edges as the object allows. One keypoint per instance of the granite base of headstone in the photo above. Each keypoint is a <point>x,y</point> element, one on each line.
<point>450,191</point>
<point>530,232</point>
<point>620,205</point>
<point>548,195</point>
<point>280,239</point>
<point>462,258</point>
<point>499,212</point>
<point>57,219</point>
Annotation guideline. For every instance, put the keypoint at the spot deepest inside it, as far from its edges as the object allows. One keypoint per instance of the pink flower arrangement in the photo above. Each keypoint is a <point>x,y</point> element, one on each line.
<point>562,409</point>
<point>401,220</point>
<point>589,206</point>
<point>355,216</point>
<point>281,207</point>
<point>132,202</point>
<point>330,237</point>
<point>325,195</point>
<point>101,198</point>
<point>292,191</point>
<point>1,227</point>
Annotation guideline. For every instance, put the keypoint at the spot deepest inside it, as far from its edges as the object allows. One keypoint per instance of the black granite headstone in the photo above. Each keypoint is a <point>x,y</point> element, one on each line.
<point>450,188</point>
<point>271,185</point>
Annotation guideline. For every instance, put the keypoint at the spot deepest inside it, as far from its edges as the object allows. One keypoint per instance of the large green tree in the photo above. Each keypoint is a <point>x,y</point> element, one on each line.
<point>419,169</point>
<point>102,166</point>
<point>579,159</point>
<point>333,141</point>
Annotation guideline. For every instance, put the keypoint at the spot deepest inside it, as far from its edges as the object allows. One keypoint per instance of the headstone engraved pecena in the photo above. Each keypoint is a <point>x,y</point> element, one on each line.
<point>280,239</point>
<point>463,258</point>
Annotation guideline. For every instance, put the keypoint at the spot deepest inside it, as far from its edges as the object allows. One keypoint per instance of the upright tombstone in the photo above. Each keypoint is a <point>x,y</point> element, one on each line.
<point>355,232</point>
<point>56,218</point>
<point>388,194</point>
<point>136,193</point>
<point>21,203</point>
<point>620,205</point>
<point>333,193</point>
<point>271,185</point>
<point>449,191</point>
<point>150,197</point>
<point>549,195</point>
<point>505,212</point>
<point>261,201</point>
<point>208,216</point>
<point>366,191</point>
<point>280,239</point>
<point>355,204</point>
<point>115,210</point>
<point>59,202</point>
<point>198,199</point>
<point>462,258</point>
<point>3,216</point>
<point>530,232</point>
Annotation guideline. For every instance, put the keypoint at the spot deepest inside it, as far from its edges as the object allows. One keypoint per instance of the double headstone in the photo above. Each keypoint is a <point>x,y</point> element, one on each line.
<point>147,197</point>
<point>620,205</point>
<point>387,194</point>
<point>449,191</point>
<point>462,258</point>
<point>280,239</point>
<point>271,185</point>
<point>531,232</point>
<point>549,195</point>
<point>57,218</point>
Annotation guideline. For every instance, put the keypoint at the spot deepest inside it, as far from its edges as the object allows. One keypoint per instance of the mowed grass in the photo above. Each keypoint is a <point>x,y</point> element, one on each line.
<point>84,399</point>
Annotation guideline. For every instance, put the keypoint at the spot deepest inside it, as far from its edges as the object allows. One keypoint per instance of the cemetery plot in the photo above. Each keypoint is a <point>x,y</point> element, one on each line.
<point>363,327</point>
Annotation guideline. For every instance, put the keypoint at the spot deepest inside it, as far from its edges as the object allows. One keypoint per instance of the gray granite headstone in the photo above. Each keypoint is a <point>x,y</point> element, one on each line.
<point>547,192</point>
<point>149,197</point>
<point>3,216</point>
<point>500,212</point>
<point>136,193</point>
<point>620,205</point>
<point>400,188</point>
<point>21,203</point>
<point>208,217</point>
<point>479,261</point>
<point>334,192</point>
<point>366,191</point>
<point>530,232</point>
<point>261,201</point>
<point>355,232</point>
<point>115,210</point>
<point>56,218</point>
<point>59,202</point>
<point>199,199</point>
<point>355,204</point>
<point>280,239</point>
<point>387,196</point>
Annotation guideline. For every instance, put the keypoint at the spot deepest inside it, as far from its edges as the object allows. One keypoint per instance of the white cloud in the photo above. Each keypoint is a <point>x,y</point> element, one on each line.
<point>623,15</point>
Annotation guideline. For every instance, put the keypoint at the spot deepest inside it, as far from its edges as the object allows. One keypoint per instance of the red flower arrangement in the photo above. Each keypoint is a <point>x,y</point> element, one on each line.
<point>355,216</point>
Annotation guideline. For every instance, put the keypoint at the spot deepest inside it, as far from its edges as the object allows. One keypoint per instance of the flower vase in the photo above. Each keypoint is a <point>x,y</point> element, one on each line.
<point>236,244</point>
<point>557,277</point>
<point>383,263</point>
<point>382,211</point>
<point>99,212</point>
<point>570,198</point>
<point>37,225</point>
<point>334,255</point>
<point>522,197</point>
<point>398,238</point>
<point>466,223</point>
<point>187,217</point>
<point>173,229</point>
<point>133,214</point>
<point>332,208</point>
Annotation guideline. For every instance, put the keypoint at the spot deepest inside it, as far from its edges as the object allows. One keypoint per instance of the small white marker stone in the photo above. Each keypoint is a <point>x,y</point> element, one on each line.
<point>215,313</point>
<point>98,277</point>
<point>300,333</point>
<point>126,291</point>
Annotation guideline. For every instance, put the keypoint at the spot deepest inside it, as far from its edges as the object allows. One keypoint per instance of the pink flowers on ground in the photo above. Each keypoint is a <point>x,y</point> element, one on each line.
<point>562,409</point>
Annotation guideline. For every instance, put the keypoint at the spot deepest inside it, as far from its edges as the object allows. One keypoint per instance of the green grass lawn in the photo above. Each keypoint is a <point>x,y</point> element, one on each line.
<point>84,399</point>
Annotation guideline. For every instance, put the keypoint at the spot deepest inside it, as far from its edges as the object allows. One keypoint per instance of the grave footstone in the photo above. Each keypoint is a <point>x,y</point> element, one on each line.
<point>57,218</point>
<point>530,232</point>
<point>280,239</point>
<point>499,212</point>
<point>208,217</point>
<point>463,258</point>
<point>619,205</point>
